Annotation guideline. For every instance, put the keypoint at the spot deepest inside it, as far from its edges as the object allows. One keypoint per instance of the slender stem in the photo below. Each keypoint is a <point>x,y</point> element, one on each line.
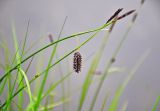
<point>108,65</point>
<point>46,73</point>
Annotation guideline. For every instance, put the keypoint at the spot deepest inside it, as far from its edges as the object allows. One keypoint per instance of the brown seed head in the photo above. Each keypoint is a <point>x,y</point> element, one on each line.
<point>50,38</point>
<point>126,14</point>
<point>77,62</point>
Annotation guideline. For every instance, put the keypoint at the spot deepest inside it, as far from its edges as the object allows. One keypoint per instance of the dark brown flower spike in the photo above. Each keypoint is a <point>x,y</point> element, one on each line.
<point>126,14</point>
<point>50,38</point>
<point>77,62</point>
<point>114,15</point>
<point>113,60</point>
<point>142,2</point>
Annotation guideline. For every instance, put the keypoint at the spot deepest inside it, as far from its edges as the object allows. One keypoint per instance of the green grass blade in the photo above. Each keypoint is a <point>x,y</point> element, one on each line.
<point>114,104</point>
<point>48,91</point>
<point>46,104</point>
<point>109,64</point>
<point>4,46</point>
<point>52,87</point>
<point>28,85</point>
<point>23,48</point>
<point>55,104</point>
<point>92,69</point>
<point>124,106</point>
<point>68,86</point>
<point>60,68</point>
<point>18,60</point>
<point>25,39</point>
<point>88,80</point>
<point>104,102</point>
<point>19,108</point>
<point>3,86</point>
<point>39,66</point>
<point>20,71</point>
<point>34,44</point>
<point>46,73</point>
<point>155,106</point>
<point>52,100</point>
<point>5,67</point>
<point>25,73</point>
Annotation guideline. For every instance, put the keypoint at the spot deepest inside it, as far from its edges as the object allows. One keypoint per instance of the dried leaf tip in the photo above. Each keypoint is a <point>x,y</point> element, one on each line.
<point>77,62</point>
<point>114,15</point>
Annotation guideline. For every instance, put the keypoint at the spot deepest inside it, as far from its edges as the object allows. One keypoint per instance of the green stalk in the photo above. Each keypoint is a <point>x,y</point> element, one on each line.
<point>52,87</point>
<point>115,101</point>
<point>155,106</point>
<point>50,106</point>
<point>68,86</point>
<point>25,39</point>
<point>89,76</point>
<point>18,107</point>
<point>6,66</point>
<point>21,72</point>
<point>28,85</point>
<point>18,60</point>
<point>108,66</point>
<point>46,73</point>
<point>61,73</point>
<point>92,69</point>
<point>124,106</point>
<point>104,102</point>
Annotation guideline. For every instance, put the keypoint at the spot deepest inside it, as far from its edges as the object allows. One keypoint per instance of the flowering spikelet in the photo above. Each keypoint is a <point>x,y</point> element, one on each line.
<point>50,38</point>
<point>77,62</point>
<point>126,14</point>
<point>122,16</point>
<point>114,15</point>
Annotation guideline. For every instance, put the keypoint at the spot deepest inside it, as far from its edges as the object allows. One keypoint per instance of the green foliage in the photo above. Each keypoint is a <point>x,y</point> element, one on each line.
<point>156,104</point>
